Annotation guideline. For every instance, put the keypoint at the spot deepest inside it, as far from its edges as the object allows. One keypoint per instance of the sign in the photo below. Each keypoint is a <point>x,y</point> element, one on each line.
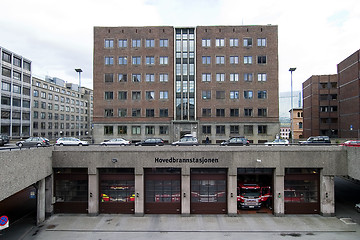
<point>32,194</point>
<point>4,222</point>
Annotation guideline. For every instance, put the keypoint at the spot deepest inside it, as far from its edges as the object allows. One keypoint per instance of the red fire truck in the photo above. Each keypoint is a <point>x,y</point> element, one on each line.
<point>251,195</point>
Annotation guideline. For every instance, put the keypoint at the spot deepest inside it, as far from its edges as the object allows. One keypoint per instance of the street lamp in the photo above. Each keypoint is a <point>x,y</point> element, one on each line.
<point>78,70</point>
<point>292,108</point>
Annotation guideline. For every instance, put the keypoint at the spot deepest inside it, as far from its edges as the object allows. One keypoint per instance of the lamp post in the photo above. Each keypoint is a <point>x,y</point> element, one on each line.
<point>292,108</point>
<point>78,70</point>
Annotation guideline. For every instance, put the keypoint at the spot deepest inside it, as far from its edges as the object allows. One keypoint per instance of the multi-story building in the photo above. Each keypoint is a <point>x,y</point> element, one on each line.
<point>320,98</point>
<point>15,94</point>
<point>57,107</point>
<point>349,96</point>
<point>210,81</point>
<point>285,130</point>
<point>285,104</point>
<point>296,125</point>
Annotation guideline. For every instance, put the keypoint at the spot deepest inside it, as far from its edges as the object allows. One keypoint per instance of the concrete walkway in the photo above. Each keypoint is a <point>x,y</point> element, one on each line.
<point>260,226</point>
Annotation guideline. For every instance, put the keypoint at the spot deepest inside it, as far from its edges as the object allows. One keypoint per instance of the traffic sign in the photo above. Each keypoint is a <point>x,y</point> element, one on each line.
<point>4,222</point>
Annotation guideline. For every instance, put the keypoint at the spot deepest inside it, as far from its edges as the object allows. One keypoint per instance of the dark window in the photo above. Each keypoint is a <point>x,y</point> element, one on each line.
<point>234,112</point>
<point>220,129</point>
<point>261,59</point>
<point>164,112</point>
<point>262,129</point>
<point>206,112</point>
<point>206,129</point>
<point>150,113</point>
<point>220,112</point>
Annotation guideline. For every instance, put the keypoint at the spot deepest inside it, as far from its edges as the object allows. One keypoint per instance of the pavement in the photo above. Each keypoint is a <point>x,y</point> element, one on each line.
<point>255,226</point>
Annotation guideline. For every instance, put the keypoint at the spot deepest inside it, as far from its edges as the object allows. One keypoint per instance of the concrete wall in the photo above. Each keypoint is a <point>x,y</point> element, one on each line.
<point>353,156</point>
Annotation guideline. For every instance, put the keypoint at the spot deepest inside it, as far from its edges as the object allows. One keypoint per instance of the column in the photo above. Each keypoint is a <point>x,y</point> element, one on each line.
<point>278,193</point>
<point>49,193</point>
<point>139,193</point>
<point>40,201</point>
<point>185,193</point>
<point>232,194</point>
<point>93,208</point>
<point>327,195</point>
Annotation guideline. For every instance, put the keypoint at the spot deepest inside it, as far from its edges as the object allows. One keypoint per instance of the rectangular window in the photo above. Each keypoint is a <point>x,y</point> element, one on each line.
<point>220,94</point>
<point>27,66</point>
<point>234,112</point>
<point>109,43</point>
<point>262,129</point>
<point>234,77</point>
<point>206,129</point>
<point>136,95</point>
<point>6,72</point>
<point>248,112</point>
<point>136,77</point>
<point>150,95</point>
<point>163,77</point>
<point>122,77</point>
<point>220,60</point>
<point>234,42</point>
<point>247,59</point>
<point>135,130</point>
<point>262,112</point>
<point>248,77</point>
<point>136,43</point>
<point>150,60</point>
<point>122,95</point>
<point>247,42</point>
<point>163,130</point>
<point>122,112</point>
<point>248,94</point>
<point>109,60</point>
<point>206,43</point>
<point>109,95</point>
<point>206,77</point>
<point>122,43</point>
<point>149,130</point>
<point>206,112</point>
<point>262,77</point>
<point>150,43</point>
<point>234,129</point>
<point>262,94</point>
<point>122,60</point>
<point>164,112</point>
<point>220,129</point>
<point>109,112</point>
<point>164,95</point>
<point>220,112</point>
<point>17,61</point>
<point>122,129</point>
<point>108,130</point>
<point>234,59</point>
<point>206,60</point>
<point>6,57</point>
<point>248,129</point>
<point>220,42</point>
<point>164,60</point>
<point>150,113</point>
<point>164,42</point>
<point>136,60</point>
<point>206,94</point>
<point>261,42</point>
<point>136,112</point>
<point>261,59</point>
<point>150,77</point>
<point>220,77</point>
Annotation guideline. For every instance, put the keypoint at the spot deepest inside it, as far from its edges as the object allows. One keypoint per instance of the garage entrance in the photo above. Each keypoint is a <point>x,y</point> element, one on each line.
<point>208,191</point>
<point>162,190</point>
<point>71,190</point>
<point>117,190</point>
<point>255,190</point>
<point>301,191</point>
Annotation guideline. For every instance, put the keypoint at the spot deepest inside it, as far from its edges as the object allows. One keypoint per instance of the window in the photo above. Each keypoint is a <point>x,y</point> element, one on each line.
<point>220,60</point>
<point>261,42</point>
<point>136,60</point>
<point>149,77</point>
<point>150,113</point>
<point>122,112</point>
<point>122,95</point>
<point>17,89</point>
<point>108,130</point>
<point>248,94</point>
<point>109,77</point>
<point>262,77</point>
<point>220,42</point>
<point>122,77</point>
<point>248,129</point>
<point>16,102</point>
<point>206,94</point>
<point>6,72</point>
<point>122,60</point>
<point>234,77</point>
<point>220,77</point>
<point>150,60</point>
<point>150,43</point>
<point>136,130</point>
<point>262,129</point>
<point>163,94</point>
<point>163,77</point>
<point>109,95</point>
<point>220,94</point>
<point>26,78</point>
<point>136,95</point>
<point>43,95</point>
<point>248,77</point>
<point>43,105</point>
<point>109,60</point>
<point>109,112</point>
<point>122,43</point>
<point>122,129</point>
<point>164,130</point>
<point>36,93</point>
<point>17,61</point>
<point>234,59</point>
<point>6,101</point>
<point>6,57</point>
<point>206,43</point>
<point>206,60</point>
<point>261,59</point>
<point>234,129</point>
<point>17,76</point>
<point>206,112</point>
<point>136,78</point>
<point>247,42</point>
<point>206,77</point>
<point>262,94</point>
<point>109,43</point>
<point>150,95</point>
<point>164,42</point>
<point>262,112</point>
<point>164,112</point>
<point>247,59</point>
<point>136,43</point>
<point>136,112</point>
<point>164,60</point>
<point>234,94</point>
<point>6,87</point>
<point>248,112</point>
<point>220,112</point>
<point>220,129</point>
<point>206,129</point>
<point>234,42</point>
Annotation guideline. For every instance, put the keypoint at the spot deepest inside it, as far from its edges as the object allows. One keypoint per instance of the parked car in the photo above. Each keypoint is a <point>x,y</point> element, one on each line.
<point>357,207</point>
<point>5,138</point>
<point>151,142</point>
<point>351,143</point>
<point>186,140</point>
<point>2,142</point>
<point>236,141</point>
<point>278,142</point>
<point>317,140</point>
<point>71,141</point>
<point>34,141</point>
<point>116,141</point>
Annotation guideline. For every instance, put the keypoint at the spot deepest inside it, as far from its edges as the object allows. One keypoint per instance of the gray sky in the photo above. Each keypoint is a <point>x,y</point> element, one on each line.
<point>57,36</point>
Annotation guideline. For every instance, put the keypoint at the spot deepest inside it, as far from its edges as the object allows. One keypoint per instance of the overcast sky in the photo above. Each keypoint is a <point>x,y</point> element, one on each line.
<point>57,36</point>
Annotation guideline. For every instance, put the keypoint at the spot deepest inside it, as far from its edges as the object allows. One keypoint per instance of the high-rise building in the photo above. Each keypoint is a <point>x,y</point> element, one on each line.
<point>209,81</point>
<point>15,94</point>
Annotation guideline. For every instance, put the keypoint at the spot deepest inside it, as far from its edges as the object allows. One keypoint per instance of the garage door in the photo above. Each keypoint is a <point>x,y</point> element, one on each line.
<point>208,191</point>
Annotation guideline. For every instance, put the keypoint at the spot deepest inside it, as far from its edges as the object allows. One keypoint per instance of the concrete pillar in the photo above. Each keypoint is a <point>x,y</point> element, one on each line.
<point>278,195</point>
<point>232,195</point>
<point>49,193</point>
<point>40,201</point>
<point>186,194</point>
<point>139,194</point>
<point>93,207</point>
<point>327,195</point>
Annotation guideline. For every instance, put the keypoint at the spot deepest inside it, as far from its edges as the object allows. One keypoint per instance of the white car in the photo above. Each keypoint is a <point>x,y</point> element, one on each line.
<point>71,141</point>
<point>357,207</point>
<point>278,142</point>
<point>116,141</point>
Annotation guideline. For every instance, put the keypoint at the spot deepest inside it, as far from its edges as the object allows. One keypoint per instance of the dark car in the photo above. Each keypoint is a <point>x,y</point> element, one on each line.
<point>2,142</point>
<point>317,140</point>
<point>151,142</point>
<point>5,138</point>
<point>34,141</point>
<point>236,141</point>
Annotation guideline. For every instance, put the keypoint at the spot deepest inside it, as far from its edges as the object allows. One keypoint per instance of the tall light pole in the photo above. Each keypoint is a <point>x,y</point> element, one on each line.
<point>292,108</point>
<point>78,70</point>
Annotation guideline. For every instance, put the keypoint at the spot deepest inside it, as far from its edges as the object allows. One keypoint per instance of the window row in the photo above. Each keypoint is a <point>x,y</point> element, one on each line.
<point>136,112</point>
<point>234,94</point>
<point>233,42</point>
<point>57,107</point>
<point>56,89</point>
<point>57,98</point>
<point>206,60</point>
<point>57,125</point>
<point>5,100</point>
<point>233,112</point>
<point>234,129</point>
<point>56,116</point>
<point>136,43</point>
<point>6,114</point>
<point>136,130</point>
<point>135,95</point>
<point>136,77</point>
<point>6,72</point>
<point>17,61</point>
<point>136,60</point>
<point>7,87</point>
<point>233,77</point>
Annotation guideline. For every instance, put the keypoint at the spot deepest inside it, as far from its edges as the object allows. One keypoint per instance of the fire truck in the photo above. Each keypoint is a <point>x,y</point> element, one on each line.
<point>251,195</point>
